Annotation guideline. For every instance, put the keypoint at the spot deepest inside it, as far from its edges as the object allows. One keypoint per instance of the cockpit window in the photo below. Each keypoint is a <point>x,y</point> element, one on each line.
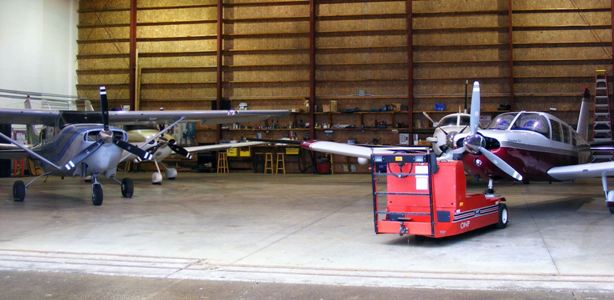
<point>465,120</point>
<point>556,131</point>
<point>532,122</point>
<point>566,134</point>
<point>502,122</point>
<point>448,121</point>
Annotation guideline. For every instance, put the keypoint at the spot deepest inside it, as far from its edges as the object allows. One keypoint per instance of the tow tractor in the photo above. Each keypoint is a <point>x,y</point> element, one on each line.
<point>415,194</point>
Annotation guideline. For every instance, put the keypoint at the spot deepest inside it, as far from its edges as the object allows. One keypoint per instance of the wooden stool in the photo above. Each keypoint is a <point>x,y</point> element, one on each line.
<point>222,162</point>
<point>280,163</point>
<point>268,162</point>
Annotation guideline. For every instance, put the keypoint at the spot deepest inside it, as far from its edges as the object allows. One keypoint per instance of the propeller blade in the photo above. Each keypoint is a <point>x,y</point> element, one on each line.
<point>501,164</point>
<point>179,150</point>
<point>85,153</point>
<point>140,153</point>
<point>475,108</point>
<point>104,107</point>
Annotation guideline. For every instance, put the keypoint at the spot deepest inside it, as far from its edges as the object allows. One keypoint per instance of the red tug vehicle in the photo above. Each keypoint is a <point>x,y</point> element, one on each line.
<point>426,197</point>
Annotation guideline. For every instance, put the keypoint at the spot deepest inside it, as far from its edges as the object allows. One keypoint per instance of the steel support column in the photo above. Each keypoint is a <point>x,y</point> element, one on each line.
<point>312,67</point>
<point>219,83</point>
<point>410,69</point>
<point>510,57</point>
<point>132,52</point>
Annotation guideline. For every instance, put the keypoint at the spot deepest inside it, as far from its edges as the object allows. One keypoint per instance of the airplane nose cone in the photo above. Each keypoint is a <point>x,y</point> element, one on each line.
<point>473,143</point>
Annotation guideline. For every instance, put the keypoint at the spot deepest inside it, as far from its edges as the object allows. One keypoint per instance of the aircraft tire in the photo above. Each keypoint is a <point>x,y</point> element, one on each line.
<point>127,188</point>
<point>503,216</point>
<point>19,191</point>
<point>97,195</point>
<point>611,208</point>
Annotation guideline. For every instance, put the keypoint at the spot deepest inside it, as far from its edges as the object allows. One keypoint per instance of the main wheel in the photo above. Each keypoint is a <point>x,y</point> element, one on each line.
<point>171,173</point>
<point>611,208</point>
<point>97,194</point>
<point>127,188</point>
<point>156,178</point>
<point>19,191</point>
<point>503,216</point>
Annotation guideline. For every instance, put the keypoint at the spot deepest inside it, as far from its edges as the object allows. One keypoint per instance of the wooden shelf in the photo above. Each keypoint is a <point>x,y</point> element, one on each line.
<point>390,32</point>
<point>179,100</point>
<point>560,27</point>
<point>178,70</point>
<point>267,20</point>
<point>560,10</point>
<point>268,35</point>
<point>264,51</point>
<point>458,62</point>
<point>459,13</point>
<point>459,30</point>
<point>265,67</point>
<point>361,17</point>
<point>260,98</point>
<point>266,3</point>
<point>356,97</point>
<point>325,50</point>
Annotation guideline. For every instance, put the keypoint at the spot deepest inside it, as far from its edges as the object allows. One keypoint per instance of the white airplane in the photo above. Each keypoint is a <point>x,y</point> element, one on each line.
<point>75,143</point>
<point>446,129</point>
<point>161,145</point>
<point>522,145</point>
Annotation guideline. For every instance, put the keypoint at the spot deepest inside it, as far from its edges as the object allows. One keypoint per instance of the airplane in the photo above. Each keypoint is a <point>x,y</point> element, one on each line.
<point>446,129</point>
<point>76,143</point>
<point>161,145</point>
<point>522,145</point>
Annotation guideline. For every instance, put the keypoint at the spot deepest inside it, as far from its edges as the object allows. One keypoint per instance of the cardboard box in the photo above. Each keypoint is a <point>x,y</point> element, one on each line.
<point>292,150</point>
<point>333,105</point>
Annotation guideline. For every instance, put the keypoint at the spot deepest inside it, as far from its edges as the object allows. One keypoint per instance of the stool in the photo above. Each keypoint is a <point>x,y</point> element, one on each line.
<point>222,162</point>
<point>332,163</point>
<point>280,163</point>
<point>268,162</point>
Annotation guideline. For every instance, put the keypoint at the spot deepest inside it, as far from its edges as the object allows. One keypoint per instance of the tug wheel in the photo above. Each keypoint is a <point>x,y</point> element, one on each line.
<point>503,216</point>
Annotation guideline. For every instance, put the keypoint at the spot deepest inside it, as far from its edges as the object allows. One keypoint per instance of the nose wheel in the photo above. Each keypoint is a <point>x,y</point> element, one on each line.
<point>97,195</point>
<point>127,186</point>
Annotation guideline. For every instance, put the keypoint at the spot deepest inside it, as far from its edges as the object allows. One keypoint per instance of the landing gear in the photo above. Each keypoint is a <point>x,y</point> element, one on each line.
<point>156,178</point>
<point>502,223</point>
<point>97,196</point>
<point>127,187</point>
<point>171,173</point>
<point>490,191</point>
<point>19,191</point>
<point>611,208</point>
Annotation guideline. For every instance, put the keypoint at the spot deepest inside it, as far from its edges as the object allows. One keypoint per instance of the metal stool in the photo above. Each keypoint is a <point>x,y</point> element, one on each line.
<point>280,163</point>
<point>268,162</point>
<point>222,162</point>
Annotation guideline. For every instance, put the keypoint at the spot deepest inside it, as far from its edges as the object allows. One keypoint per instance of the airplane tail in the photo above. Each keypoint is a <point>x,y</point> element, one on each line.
<point>31,136</point>
<point>582,129</point>
<point>88,105</point>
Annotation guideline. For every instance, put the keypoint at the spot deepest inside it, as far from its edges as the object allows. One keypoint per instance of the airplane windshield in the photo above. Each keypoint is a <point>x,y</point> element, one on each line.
<point>533,122</point>
<point>502,121</point>
<point>448,121</point>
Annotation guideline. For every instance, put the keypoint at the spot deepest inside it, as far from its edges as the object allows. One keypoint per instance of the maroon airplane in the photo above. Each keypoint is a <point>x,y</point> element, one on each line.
<point>523,145</point>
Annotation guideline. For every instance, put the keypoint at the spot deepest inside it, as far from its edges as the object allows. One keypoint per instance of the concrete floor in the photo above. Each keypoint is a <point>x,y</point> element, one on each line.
<point>304,229</point>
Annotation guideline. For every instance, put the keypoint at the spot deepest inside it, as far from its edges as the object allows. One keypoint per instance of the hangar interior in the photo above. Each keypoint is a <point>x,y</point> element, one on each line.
<point>348,71</point>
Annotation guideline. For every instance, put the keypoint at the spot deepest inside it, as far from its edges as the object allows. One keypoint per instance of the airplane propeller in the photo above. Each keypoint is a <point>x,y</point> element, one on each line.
<point>474,142</point>
<point>106,136</point>
<point>179,150</point>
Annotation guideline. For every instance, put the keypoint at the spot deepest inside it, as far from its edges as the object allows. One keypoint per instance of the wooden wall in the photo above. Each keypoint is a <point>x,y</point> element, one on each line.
<point>540,58</point>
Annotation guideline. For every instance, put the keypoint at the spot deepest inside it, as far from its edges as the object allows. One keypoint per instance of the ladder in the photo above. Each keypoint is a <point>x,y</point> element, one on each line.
<point>602,127</point>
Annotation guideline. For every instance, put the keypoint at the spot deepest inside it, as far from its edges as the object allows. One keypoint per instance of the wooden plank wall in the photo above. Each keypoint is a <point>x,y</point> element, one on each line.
<point>539,59</point>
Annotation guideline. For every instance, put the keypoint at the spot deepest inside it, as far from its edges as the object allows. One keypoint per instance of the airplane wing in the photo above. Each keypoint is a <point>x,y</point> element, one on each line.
<point>209,117</point>
<point>583,170</point>
<point>362,152</point>
<point>205,148</point>
<point>28,116</point>
<point>13,153</point>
